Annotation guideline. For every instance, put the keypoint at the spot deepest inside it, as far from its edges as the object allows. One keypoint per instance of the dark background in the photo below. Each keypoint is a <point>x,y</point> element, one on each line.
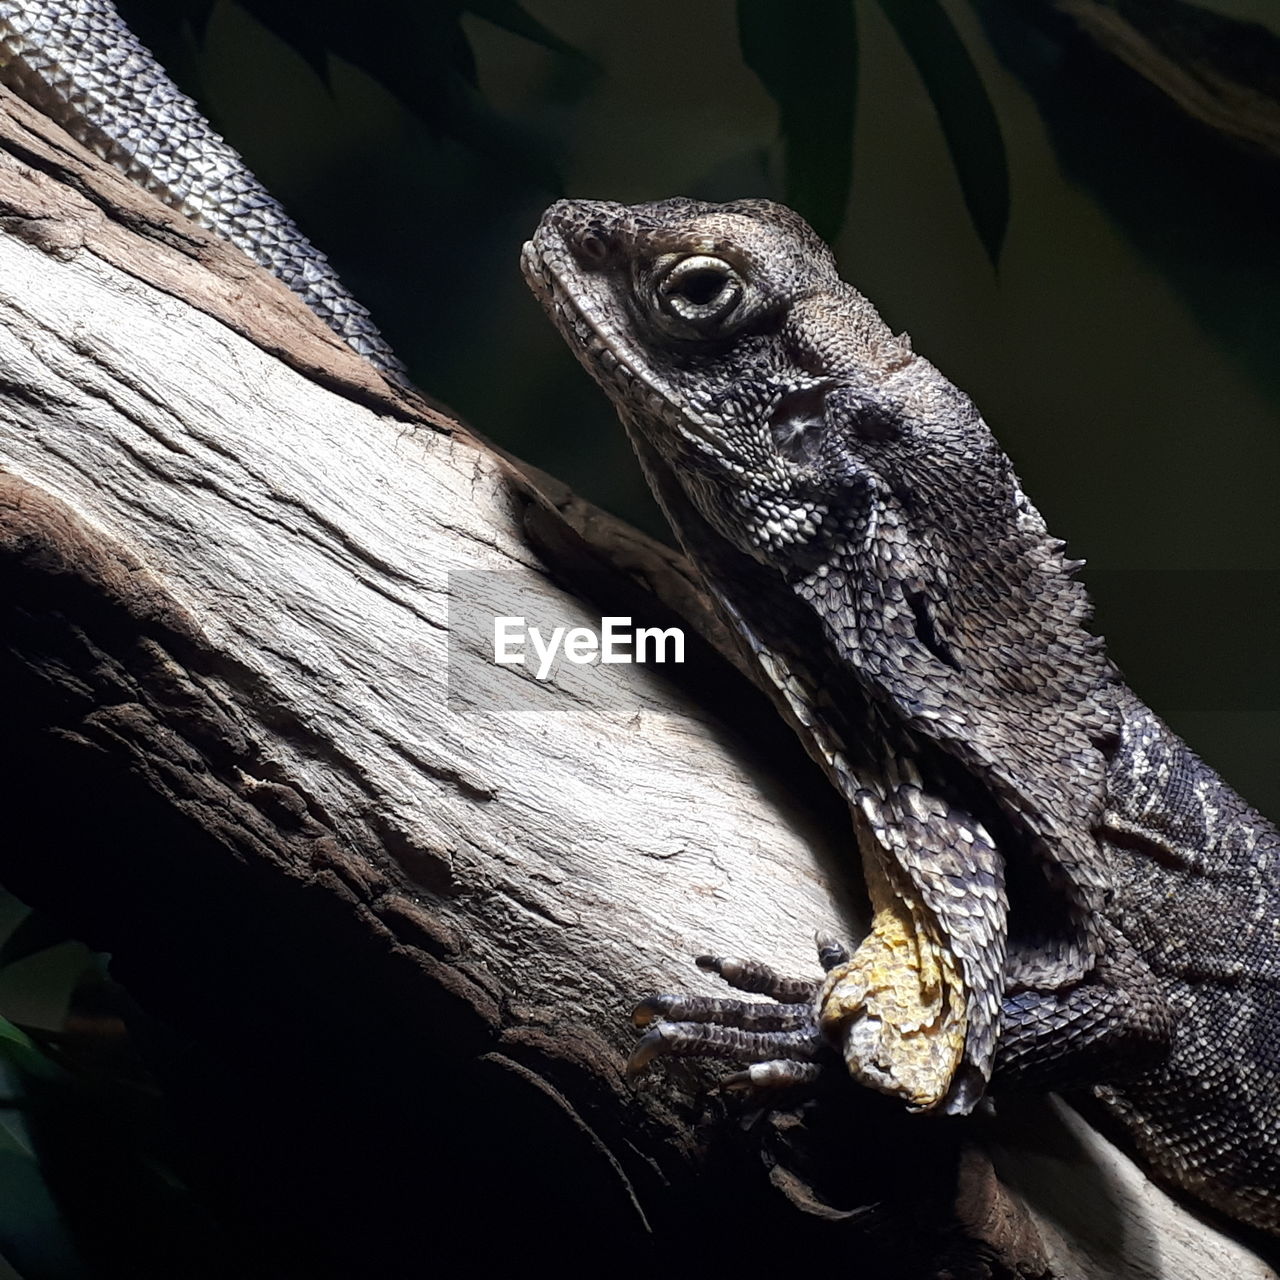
<point>1098,269</point>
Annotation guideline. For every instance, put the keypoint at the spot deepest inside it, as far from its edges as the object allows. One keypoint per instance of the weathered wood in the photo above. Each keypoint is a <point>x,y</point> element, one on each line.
<point>258,749</point>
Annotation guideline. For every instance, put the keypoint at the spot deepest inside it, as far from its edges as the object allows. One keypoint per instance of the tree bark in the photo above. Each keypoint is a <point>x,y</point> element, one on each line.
<point>390,900</point>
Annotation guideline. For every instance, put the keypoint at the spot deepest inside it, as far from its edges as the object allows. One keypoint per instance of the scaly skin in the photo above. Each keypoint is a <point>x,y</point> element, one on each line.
<point>76,62</point>
<point>1062,893</point>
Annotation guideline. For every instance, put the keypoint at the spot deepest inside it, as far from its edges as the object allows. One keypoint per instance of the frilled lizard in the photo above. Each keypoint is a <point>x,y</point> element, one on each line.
<point>1062,893</point>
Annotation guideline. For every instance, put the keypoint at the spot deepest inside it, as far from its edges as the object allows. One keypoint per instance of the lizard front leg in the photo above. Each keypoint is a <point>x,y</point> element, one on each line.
<point>896,1007</point>
<point>913,1011</point>
<point>1113,1024</point>
<point>1110,1026</point>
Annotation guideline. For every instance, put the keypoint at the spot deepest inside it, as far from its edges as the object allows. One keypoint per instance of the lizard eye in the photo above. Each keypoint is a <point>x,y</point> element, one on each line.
<point>700,291</point>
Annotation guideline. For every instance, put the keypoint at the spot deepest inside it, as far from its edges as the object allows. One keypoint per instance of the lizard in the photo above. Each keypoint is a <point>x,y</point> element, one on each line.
<point>1063,895</point>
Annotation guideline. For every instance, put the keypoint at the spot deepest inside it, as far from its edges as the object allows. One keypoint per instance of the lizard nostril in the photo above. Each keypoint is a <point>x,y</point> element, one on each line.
<point>592,249</point>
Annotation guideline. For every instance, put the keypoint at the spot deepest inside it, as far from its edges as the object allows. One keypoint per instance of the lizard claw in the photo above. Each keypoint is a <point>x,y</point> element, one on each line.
<point>778,1036</point>
<point>652,1045</point>
<point>776,1074</point>
<point>831,952</point>
<point>651,1008</point>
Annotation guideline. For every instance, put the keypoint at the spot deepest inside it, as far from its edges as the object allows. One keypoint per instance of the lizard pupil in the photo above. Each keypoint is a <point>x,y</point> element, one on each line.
<point>701,287</point>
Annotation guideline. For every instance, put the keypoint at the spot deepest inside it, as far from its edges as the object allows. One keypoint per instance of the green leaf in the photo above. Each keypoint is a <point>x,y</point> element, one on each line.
<point>32,1230</point>
<point>511,17</point>
<point>19,1050</point>
<point>34,933</point>
<point>806,56</point>
<point>964,110</point>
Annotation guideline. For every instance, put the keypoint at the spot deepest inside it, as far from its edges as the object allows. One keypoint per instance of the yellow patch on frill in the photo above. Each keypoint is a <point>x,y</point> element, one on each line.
<point>897,1006</point>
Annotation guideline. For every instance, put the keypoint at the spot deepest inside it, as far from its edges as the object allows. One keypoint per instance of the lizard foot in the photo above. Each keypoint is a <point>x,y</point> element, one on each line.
<point>780,1037</point>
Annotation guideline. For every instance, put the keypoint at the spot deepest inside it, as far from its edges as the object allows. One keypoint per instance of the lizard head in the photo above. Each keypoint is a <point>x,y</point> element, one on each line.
<point>790,422</point>
<point>687,315</point>
<point>801,429</point>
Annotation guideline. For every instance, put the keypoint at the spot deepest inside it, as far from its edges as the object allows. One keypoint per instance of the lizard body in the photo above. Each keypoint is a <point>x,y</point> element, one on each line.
<point>1062,893</point>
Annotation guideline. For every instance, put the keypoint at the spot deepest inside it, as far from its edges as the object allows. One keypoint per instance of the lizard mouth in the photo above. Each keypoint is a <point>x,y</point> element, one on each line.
<point>548,266</point>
